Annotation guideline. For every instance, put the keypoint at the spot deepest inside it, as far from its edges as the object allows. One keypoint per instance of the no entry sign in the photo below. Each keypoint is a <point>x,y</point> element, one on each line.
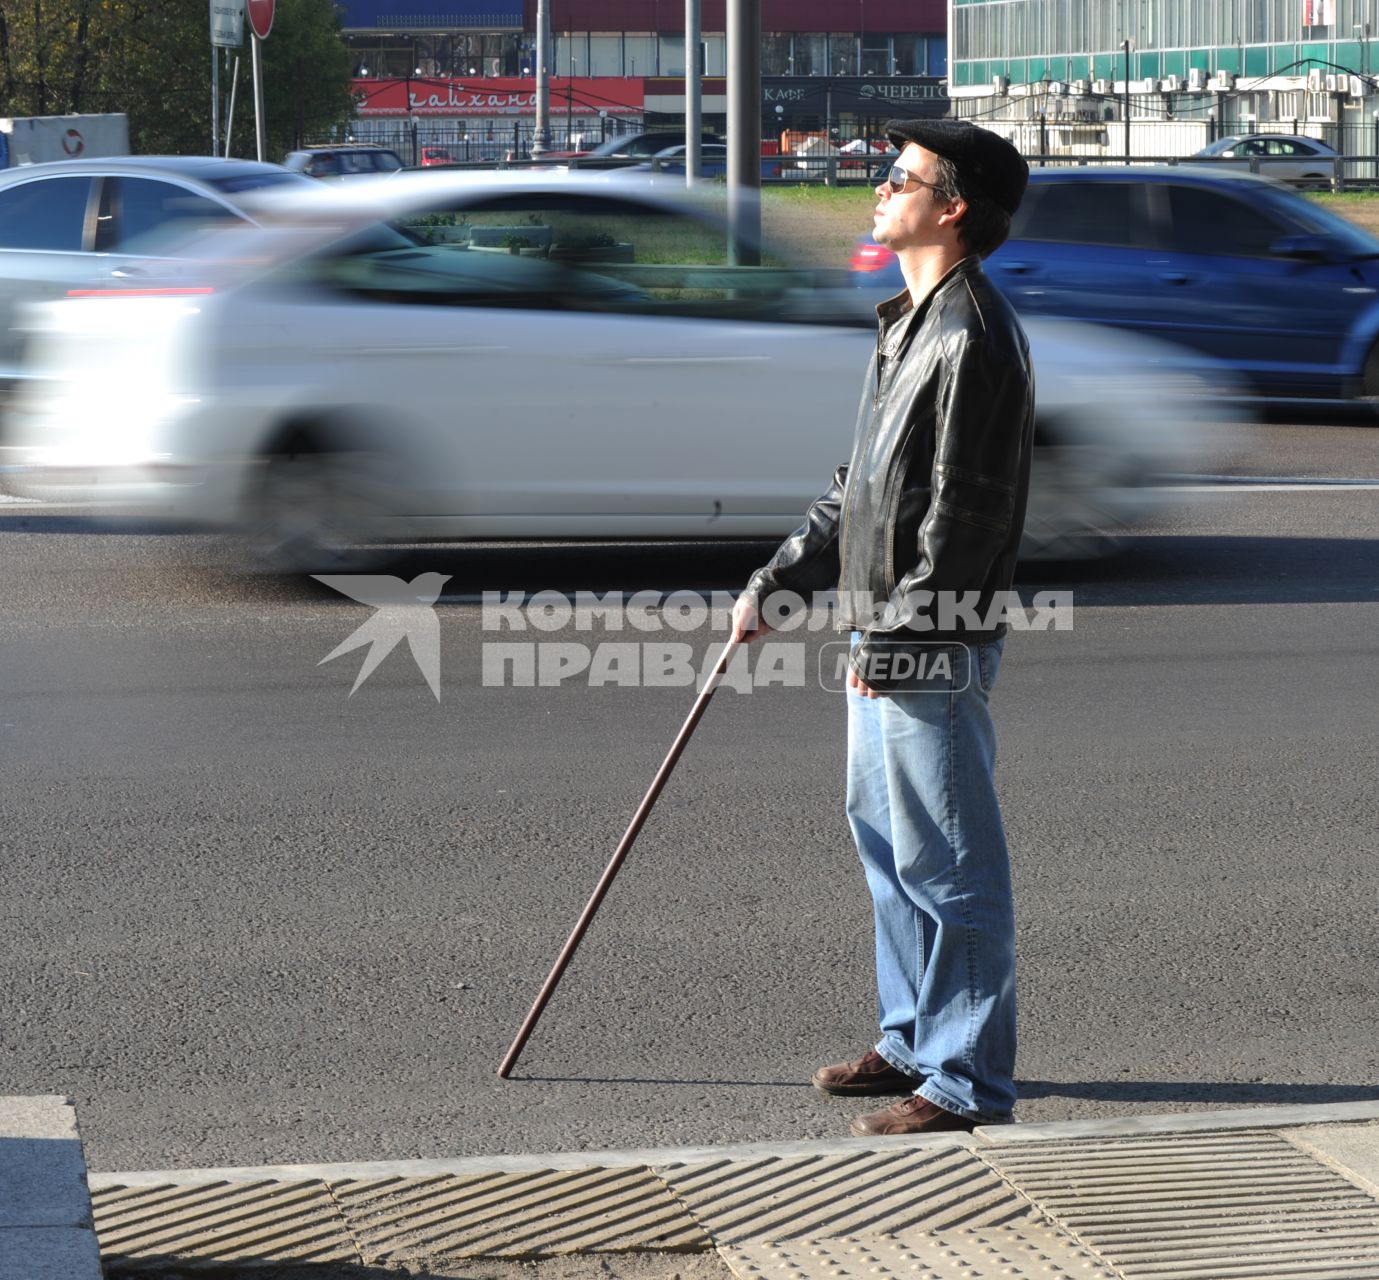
<point>261,17</point>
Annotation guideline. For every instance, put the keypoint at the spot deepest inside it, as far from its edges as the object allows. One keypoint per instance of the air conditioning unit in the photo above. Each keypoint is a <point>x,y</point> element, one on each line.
<point>1170,84</point>
<point>1080,88</point>
<point>1058,88</point>
<point>1356,87</point>
<point>1335,84</point>
<point>1144,86</point>
<point>1000,85</point>
<point>1316,82</point>
<point>1223,81</point>
<point>1101,88</point>
<point>1196,79</point>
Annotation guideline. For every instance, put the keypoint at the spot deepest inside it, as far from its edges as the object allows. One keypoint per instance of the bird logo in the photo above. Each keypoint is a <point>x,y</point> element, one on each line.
<point>404,609</point>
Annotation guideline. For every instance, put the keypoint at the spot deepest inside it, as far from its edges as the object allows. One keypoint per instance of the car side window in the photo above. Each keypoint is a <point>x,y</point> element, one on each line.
<point>1255,147</point>
<point>48,213</point>
<point>1105,213</point>
<point>1203,221</point>
<point>567,253</point>
<point>386,162</point>
<point>144,215</point>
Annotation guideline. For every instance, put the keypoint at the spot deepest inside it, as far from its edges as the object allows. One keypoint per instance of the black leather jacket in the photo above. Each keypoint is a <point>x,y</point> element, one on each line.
<point>932,504</point>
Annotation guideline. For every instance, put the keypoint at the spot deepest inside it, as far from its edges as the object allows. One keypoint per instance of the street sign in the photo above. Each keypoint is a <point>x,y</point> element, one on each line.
<point>261,17</point>
<point>227,23</point>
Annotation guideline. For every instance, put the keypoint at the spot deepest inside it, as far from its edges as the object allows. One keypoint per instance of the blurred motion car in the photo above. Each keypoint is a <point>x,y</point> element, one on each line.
<point>1286,157</point>
<point>61,223</point>
<point>1232,266</point>
<point>357,160</point>
<point>519,355</point>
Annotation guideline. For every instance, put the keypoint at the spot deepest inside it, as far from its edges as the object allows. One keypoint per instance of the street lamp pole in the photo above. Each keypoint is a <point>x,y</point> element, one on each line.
<point>1125,46</point>
<point>541,132</point>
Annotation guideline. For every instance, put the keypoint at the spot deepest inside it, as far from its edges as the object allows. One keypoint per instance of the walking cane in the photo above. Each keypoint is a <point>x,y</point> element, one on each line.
<point>639,818</point>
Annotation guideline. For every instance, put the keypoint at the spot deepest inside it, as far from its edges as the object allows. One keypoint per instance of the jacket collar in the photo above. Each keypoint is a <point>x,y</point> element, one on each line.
<point>894,309</point>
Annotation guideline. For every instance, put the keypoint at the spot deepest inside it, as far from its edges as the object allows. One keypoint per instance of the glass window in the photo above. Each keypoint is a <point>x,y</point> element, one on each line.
<point>1202,221</point>
<point>842,54</point>
<point>605,55</point>
<point>143,215</point>
<point>1109,213</point>
<point>775,56</point>
<point>640,55</point>
<point>811,56</point>
<point>45,214</point>
<point>578,253</point>
<point>672,55</point>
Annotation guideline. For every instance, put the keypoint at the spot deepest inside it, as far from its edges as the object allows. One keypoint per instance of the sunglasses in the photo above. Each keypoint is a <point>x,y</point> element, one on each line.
<point>899,178</point>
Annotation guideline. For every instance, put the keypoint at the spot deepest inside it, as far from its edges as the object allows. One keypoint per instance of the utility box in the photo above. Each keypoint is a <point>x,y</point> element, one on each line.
<point>39,139</point>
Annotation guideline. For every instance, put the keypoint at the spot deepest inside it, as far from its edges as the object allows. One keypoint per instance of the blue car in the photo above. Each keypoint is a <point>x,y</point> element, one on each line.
<point>1235,267</point>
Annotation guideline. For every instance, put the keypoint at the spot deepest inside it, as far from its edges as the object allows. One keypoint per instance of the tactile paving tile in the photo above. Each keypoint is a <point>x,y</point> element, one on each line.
<point>825,1196</point>
<point>1244,1205</point>
<point>1028,1252</point>
<point>223,1222</point>
<point>516,1215</point>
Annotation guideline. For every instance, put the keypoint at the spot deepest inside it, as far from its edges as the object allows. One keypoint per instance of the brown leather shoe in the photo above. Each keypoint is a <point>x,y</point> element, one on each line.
<point>870,1074</point>
<point>911,1115</point>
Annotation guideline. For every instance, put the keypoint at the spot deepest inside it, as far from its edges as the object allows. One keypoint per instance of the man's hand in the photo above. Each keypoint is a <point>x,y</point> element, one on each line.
<point>861,689</point>
<point>747,623</point>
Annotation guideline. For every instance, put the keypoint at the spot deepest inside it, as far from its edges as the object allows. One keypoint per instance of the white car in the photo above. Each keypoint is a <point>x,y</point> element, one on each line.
<point>1285,156</point>
<point>516,355</point>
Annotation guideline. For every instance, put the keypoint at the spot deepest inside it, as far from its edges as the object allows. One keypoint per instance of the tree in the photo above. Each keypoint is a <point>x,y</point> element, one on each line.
<point>152,60</point>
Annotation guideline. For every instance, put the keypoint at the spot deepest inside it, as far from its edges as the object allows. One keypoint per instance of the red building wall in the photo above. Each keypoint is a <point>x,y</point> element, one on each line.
<point>887,16</point>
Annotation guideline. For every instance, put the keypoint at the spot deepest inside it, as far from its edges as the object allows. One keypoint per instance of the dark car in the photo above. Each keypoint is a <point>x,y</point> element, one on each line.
<point>1236,267</point>
<point>633,146</point>
<point>358,160</point>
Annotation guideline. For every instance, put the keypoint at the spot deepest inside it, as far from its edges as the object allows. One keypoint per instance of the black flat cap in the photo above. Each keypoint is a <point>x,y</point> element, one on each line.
<point>985,158</point>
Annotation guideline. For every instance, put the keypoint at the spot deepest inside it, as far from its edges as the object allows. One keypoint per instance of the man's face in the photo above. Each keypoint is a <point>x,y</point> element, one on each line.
<point>918,215</point>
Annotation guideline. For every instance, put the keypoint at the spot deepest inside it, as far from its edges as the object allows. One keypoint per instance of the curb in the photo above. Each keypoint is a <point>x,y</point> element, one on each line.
<point>1257,1192</point>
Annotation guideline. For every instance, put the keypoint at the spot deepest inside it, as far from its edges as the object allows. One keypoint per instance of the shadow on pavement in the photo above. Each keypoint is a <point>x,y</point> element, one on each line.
<point>1257,1093</point>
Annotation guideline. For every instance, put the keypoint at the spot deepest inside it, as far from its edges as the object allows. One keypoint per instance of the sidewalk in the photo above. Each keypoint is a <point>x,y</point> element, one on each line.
<point>1270,1194</point>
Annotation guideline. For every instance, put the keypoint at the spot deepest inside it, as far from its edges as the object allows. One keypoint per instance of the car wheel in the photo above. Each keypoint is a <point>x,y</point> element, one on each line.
<point>1081,497</point>
<point>314,508</point>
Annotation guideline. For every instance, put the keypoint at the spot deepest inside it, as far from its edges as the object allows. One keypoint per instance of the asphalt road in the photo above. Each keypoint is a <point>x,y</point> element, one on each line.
<point>251,918</point>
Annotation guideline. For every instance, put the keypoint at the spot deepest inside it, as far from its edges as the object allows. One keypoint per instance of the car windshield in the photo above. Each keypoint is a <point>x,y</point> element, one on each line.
<point>1319,220</point>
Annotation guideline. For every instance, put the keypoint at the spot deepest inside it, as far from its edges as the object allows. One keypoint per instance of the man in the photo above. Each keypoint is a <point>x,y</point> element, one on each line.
<point>919,533</point>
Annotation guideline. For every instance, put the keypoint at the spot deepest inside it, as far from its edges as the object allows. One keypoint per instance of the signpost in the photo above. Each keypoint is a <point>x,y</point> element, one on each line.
<point>261,23</point>
<point>227,32</point>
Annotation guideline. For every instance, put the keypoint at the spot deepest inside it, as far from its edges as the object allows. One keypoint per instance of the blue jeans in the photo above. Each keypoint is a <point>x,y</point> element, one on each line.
<point>922,805</point>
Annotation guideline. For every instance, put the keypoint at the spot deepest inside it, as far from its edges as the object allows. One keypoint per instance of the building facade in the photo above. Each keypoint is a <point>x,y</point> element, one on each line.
<point>1199,69</point>
<point>465,69</point>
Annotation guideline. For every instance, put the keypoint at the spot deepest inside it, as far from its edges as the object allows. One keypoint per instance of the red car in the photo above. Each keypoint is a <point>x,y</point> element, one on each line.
<point>436,155</point>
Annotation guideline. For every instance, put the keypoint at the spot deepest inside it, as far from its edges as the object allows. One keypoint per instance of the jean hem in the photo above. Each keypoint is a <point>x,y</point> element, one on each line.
<point>931,1093</point>
<point>906,1067</point>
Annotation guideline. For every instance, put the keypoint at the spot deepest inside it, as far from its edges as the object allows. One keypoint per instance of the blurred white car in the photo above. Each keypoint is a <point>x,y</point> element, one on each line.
<point>517,355</point>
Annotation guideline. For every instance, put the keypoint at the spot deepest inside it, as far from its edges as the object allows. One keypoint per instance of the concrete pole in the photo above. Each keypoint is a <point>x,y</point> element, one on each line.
<point>541,137</point>
<point>693,101</point>
<point>744,131</point>
<point>260,125</point>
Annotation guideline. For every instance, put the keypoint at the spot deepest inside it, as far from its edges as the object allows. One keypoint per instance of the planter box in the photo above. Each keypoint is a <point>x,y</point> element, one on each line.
<point>593,253</point>
<point>497,237</point>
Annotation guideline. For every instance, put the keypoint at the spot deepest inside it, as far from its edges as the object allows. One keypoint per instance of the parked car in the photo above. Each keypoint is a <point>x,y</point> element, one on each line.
<point>1235,267</point>
<point>633,146</point>
<point>432,155</point>
<point>713,161</point>
<point>1284,156</point>
<point>358,160</point>
<point>528,355</point>
<point>60,223</point>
